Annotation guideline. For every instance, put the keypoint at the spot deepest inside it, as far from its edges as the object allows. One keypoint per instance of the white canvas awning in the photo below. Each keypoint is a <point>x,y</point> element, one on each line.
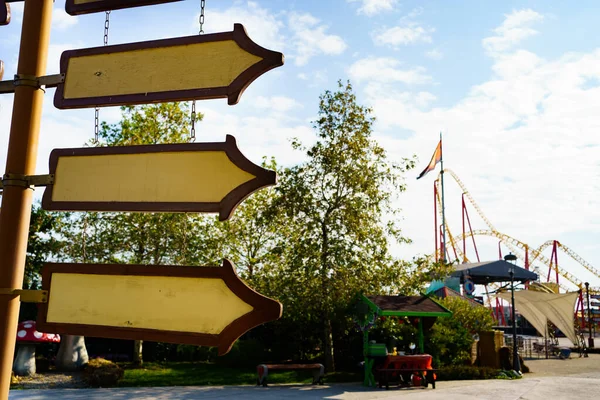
<point>538,308</point>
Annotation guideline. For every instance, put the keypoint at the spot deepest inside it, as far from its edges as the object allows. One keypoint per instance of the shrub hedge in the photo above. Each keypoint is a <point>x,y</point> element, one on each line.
<point>466,372</point>
<point>102,373</point>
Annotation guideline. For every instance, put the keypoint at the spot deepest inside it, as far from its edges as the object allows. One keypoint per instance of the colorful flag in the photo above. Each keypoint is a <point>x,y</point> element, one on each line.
<point>436,158</point>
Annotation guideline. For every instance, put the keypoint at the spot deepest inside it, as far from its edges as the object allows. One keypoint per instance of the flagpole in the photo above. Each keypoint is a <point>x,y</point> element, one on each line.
<point>443,204</point>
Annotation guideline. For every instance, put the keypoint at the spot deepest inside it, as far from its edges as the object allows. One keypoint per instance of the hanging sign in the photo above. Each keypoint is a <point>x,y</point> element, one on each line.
<point>193,177</point>
<point>203,306</point>
<point>468,285</point>
<point>218,65</point>
<point>77,7</point>
<point>4,13</point>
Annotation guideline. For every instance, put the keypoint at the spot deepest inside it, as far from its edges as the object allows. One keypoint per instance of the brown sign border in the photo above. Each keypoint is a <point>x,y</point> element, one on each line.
<point>106,5</point>
<point>4,13</point>
<point>225,208</point>
<point>265,309</point>
<point>233,92</point>
<point>1,69</point>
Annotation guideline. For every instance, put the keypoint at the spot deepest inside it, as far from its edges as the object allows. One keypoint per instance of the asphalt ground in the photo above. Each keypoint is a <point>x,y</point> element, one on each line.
<point>553,379</point>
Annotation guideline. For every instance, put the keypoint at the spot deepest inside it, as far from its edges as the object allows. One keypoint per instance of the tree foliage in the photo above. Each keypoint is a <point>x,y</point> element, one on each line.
<point>321,236</point>
<point>339,203</point>
<point>451,339</point>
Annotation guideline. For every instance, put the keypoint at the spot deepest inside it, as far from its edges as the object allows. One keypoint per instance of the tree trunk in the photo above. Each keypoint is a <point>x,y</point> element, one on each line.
<point>325,300</point>
<point>138,359</point>
<point>328,345</point>
<point>72,354</point>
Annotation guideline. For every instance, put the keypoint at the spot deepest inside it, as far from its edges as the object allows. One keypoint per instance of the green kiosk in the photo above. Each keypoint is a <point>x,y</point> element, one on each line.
<point>421,311</point>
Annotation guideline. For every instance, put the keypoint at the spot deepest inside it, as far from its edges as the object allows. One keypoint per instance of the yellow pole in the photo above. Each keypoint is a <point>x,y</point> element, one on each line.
<point>21,160</point>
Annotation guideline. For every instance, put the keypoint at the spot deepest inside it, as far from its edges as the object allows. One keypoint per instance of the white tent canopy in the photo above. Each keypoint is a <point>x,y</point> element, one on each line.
<point>538,308</point>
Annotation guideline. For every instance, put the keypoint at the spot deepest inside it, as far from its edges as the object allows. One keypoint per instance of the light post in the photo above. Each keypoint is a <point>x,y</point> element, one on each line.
<point>590,322</point>
<point>511,271</point>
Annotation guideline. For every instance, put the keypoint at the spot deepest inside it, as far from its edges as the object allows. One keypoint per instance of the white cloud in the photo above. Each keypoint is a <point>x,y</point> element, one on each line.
<point>383,69</point>
<point>408,31</point>
<point>263,27</point>
<point>310,38</point>
<point>516,27</point>
<point>373,7</point>
<point>434,54</point>
<point>61,20</point>
<point>402,35</point>
<point>523,142</point>
<point>276,103</point>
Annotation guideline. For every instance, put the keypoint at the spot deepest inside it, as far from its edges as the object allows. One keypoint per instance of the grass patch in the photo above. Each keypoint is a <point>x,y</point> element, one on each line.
<point>201,374</point>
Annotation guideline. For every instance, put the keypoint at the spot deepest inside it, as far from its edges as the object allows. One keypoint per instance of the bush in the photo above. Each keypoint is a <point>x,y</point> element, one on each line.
<point>102,373</point>
<point>466,372</point>
<point>450,339</point>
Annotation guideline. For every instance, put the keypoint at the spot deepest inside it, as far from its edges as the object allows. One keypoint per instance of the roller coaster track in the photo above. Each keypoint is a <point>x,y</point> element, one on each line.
<point>571,254</point>
<point>514,245</point>
<point>536,254</point>
<point>475,206</point>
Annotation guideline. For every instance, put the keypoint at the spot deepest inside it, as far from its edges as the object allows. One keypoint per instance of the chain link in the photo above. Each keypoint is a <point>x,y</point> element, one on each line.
<point>193,130</point>
<point>193,116</point>
<point>106,27</point>
<point>97,110</point>
<point>201,18</point>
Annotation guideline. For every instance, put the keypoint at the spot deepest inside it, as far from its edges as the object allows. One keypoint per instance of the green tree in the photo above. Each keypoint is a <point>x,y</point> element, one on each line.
<point>42,245</point>
<point>252,237</point>
<point>450,339</point>
<point>339,206</point>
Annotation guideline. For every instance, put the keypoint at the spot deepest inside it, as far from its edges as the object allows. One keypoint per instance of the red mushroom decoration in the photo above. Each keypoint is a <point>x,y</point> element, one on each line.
<point>27,339</point>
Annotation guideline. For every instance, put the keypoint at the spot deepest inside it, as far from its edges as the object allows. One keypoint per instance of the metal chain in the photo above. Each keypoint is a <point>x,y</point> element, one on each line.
<point>193,130</point>
<point>106,27</point>
<point>201,19</point>
<point>97,110</point>
<point>201,23</point>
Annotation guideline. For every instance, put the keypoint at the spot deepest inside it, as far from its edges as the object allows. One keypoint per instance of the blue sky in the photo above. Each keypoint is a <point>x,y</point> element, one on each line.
<point>513,85</point>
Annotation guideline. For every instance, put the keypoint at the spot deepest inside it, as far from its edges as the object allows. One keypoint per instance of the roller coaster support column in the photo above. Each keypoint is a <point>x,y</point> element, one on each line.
<point>527,263</point>
<point>590,322</point>
<point>554,260</point>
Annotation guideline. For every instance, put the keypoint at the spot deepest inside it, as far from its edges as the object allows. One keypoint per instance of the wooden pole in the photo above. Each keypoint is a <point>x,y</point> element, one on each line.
<point>21,161</point>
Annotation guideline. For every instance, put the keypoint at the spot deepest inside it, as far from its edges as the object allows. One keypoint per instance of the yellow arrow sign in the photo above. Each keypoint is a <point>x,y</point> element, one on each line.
<point>200,177</point>
<point>76,7</point>
<point>219,65</point>
<point>204,306</point>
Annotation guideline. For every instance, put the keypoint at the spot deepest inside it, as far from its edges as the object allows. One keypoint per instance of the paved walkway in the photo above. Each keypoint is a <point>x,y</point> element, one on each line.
<point>581,387</point>
<point>553,379</point>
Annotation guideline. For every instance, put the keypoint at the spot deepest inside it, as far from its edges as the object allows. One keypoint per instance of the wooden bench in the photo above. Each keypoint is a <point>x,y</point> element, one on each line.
<point>263,371</point>
<point>427,376</point>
